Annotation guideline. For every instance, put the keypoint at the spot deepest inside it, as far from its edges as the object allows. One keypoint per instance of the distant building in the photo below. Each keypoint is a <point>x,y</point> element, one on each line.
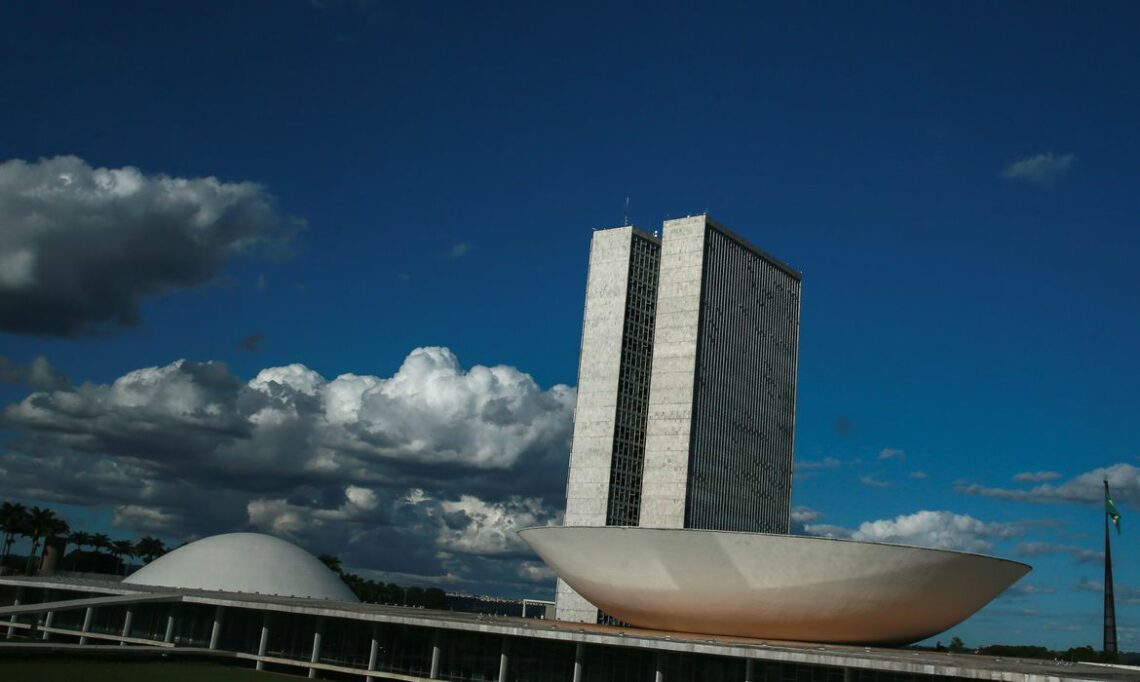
<point>686,388</point>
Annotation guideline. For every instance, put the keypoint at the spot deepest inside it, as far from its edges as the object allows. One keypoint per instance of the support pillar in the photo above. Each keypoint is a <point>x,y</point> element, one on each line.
<point>263,645</point>
<point>168,636</point>
<point>579,660</point>
<point>317,632</point>
<point>848,675</point>
<point>373,652</point>
<point>659,664</point>
<point>749,670</point>
<point>127,625</point>
<point>88,615</point>
<point>12,619</point>
<point>48,619</point>
<point>216,632</point>
<point>435,652</point>
<point>49,616</point>
<point>504,659</point>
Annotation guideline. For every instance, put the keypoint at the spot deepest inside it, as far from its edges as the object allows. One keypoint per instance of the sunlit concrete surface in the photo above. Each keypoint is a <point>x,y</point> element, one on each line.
<point>245,562</point>
<point>772,586</point>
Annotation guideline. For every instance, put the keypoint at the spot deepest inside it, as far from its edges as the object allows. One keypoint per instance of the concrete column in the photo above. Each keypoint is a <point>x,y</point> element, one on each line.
<point>373,652</point>
<point>47,624</point>
<point>504,659</point>
<point>127,625</point>
<point>168,636</point>
<point>749,670</point>
<point>263,645</point>
<point>579,660</point>
<point>87,616</point>
<point>659,676</point>
<point>216,632</point>
<point>848,675</point>
<point>317,632</point>
<point>12,619</point>
<point>49,616</point>
<point>435,651</point>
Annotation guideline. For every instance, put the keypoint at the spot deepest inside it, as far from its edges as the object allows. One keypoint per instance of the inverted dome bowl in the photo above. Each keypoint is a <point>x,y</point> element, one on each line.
<point>768,586</point>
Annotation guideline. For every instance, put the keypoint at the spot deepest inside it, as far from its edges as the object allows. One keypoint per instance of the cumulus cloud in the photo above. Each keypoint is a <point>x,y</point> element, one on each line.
<point>939,530</point>
<point>872,482</point>
<point>918,475</point>
<point>79,246</point>
<point>893,453</point>
<point>428,471</point>
<point>459,250</point>
<point>1086,488</point>
<point>38,376</point>
<point>1036,476</point>
<point>1043,169</point>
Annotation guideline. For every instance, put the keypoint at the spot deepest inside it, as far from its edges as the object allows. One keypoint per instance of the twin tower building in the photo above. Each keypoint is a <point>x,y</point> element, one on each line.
<point>686,387</point>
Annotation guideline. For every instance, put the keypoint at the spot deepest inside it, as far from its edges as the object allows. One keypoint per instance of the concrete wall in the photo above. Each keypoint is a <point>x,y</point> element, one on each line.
<point>599,367</point>
<point>663,487</point>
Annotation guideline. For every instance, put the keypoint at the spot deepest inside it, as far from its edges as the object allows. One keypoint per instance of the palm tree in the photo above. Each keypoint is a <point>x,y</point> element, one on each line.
<point>99,541</point>
<point>39,520</point>
<point>80,539</point>
<point>12,518</point>
<point>120,548</point>
<point>149,548</point>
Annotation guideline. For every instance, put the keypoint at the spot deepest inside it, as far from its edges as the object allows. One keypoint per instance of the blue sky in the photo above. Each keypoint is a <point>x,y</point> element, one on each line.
<point>956,181</point>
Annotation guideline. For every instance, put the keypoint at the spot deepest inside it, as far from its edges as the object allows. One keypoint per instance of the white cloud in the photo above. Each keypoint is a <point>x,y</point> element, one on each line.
<point>1042,169</point>
<point>1036,476</point>
<point>38,376</point>
<point>872,482</point>
<point>431,458</point>
<point>1028,590</point>
<point>827,530</point>
<point>81,245</point>
<point>893,453</point>
<point>937,529</point>
<point>918,474</point>
<point>809,465</point>
<point>1086,488</point>
<point>472,526</point>
<point>535,572</point>
<point>1081,555</point>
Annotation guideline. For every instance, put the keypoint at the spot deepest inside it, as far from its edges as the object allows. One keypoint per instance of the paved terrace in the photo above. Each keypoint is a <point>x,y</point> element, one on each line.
<point>856,659</point>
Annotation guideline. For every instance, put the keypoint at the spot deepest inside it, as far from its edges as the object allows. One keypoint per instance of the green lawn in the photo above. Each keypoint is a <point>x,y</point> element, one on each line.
<point>94,670</point>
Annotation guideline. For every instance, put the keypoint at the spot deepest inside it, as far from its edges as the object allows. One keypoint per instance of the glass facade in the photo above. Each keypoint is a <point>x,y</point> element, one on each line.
<point>740,457</point>
<point>624,501</point>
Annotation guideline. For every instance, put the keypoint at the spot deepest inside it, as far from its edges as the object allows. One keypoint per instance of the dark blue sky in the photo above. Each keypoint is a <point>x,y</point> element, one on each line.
<point>957,182</point>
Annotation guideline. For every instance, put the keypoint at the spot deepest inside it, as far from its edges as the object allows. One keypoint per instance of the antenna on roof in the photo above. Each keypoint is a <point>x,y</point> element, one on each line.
<point>625,217</point>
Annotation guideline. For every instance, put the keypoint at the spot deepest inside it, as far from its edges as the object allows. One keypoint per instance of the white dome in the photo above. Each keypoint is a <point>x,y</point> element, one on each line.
<point>245,562</point>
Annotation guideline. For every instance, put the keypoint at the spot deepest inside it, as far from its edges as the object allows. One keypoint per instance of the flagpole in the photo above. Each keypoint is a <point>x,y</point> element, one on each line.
<point>1109,602</point>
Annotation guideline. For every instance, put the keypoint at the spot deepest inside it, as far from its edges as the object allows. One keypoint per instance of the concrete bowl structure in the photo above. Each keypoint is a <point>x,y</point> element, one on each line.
<point>780,587</point>
<point>245,562</point>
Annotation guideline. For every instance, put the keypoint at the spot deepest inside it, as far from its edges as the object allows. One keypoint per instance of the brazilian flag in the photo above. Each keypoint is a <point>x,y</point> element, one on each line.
<point>1110,509</point>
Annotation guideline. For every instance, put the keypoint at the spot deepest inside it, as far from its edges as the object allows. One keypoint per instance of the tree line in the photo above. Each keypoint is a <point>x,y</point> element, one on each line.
<point>40,523</point>
<point>376,592</point>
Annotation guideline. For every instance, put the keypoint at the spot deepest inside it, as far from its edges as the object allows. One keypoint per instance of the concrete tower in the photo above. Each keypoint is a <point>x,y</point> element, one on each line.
<point>604,482</point>
<point>686,395</point>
